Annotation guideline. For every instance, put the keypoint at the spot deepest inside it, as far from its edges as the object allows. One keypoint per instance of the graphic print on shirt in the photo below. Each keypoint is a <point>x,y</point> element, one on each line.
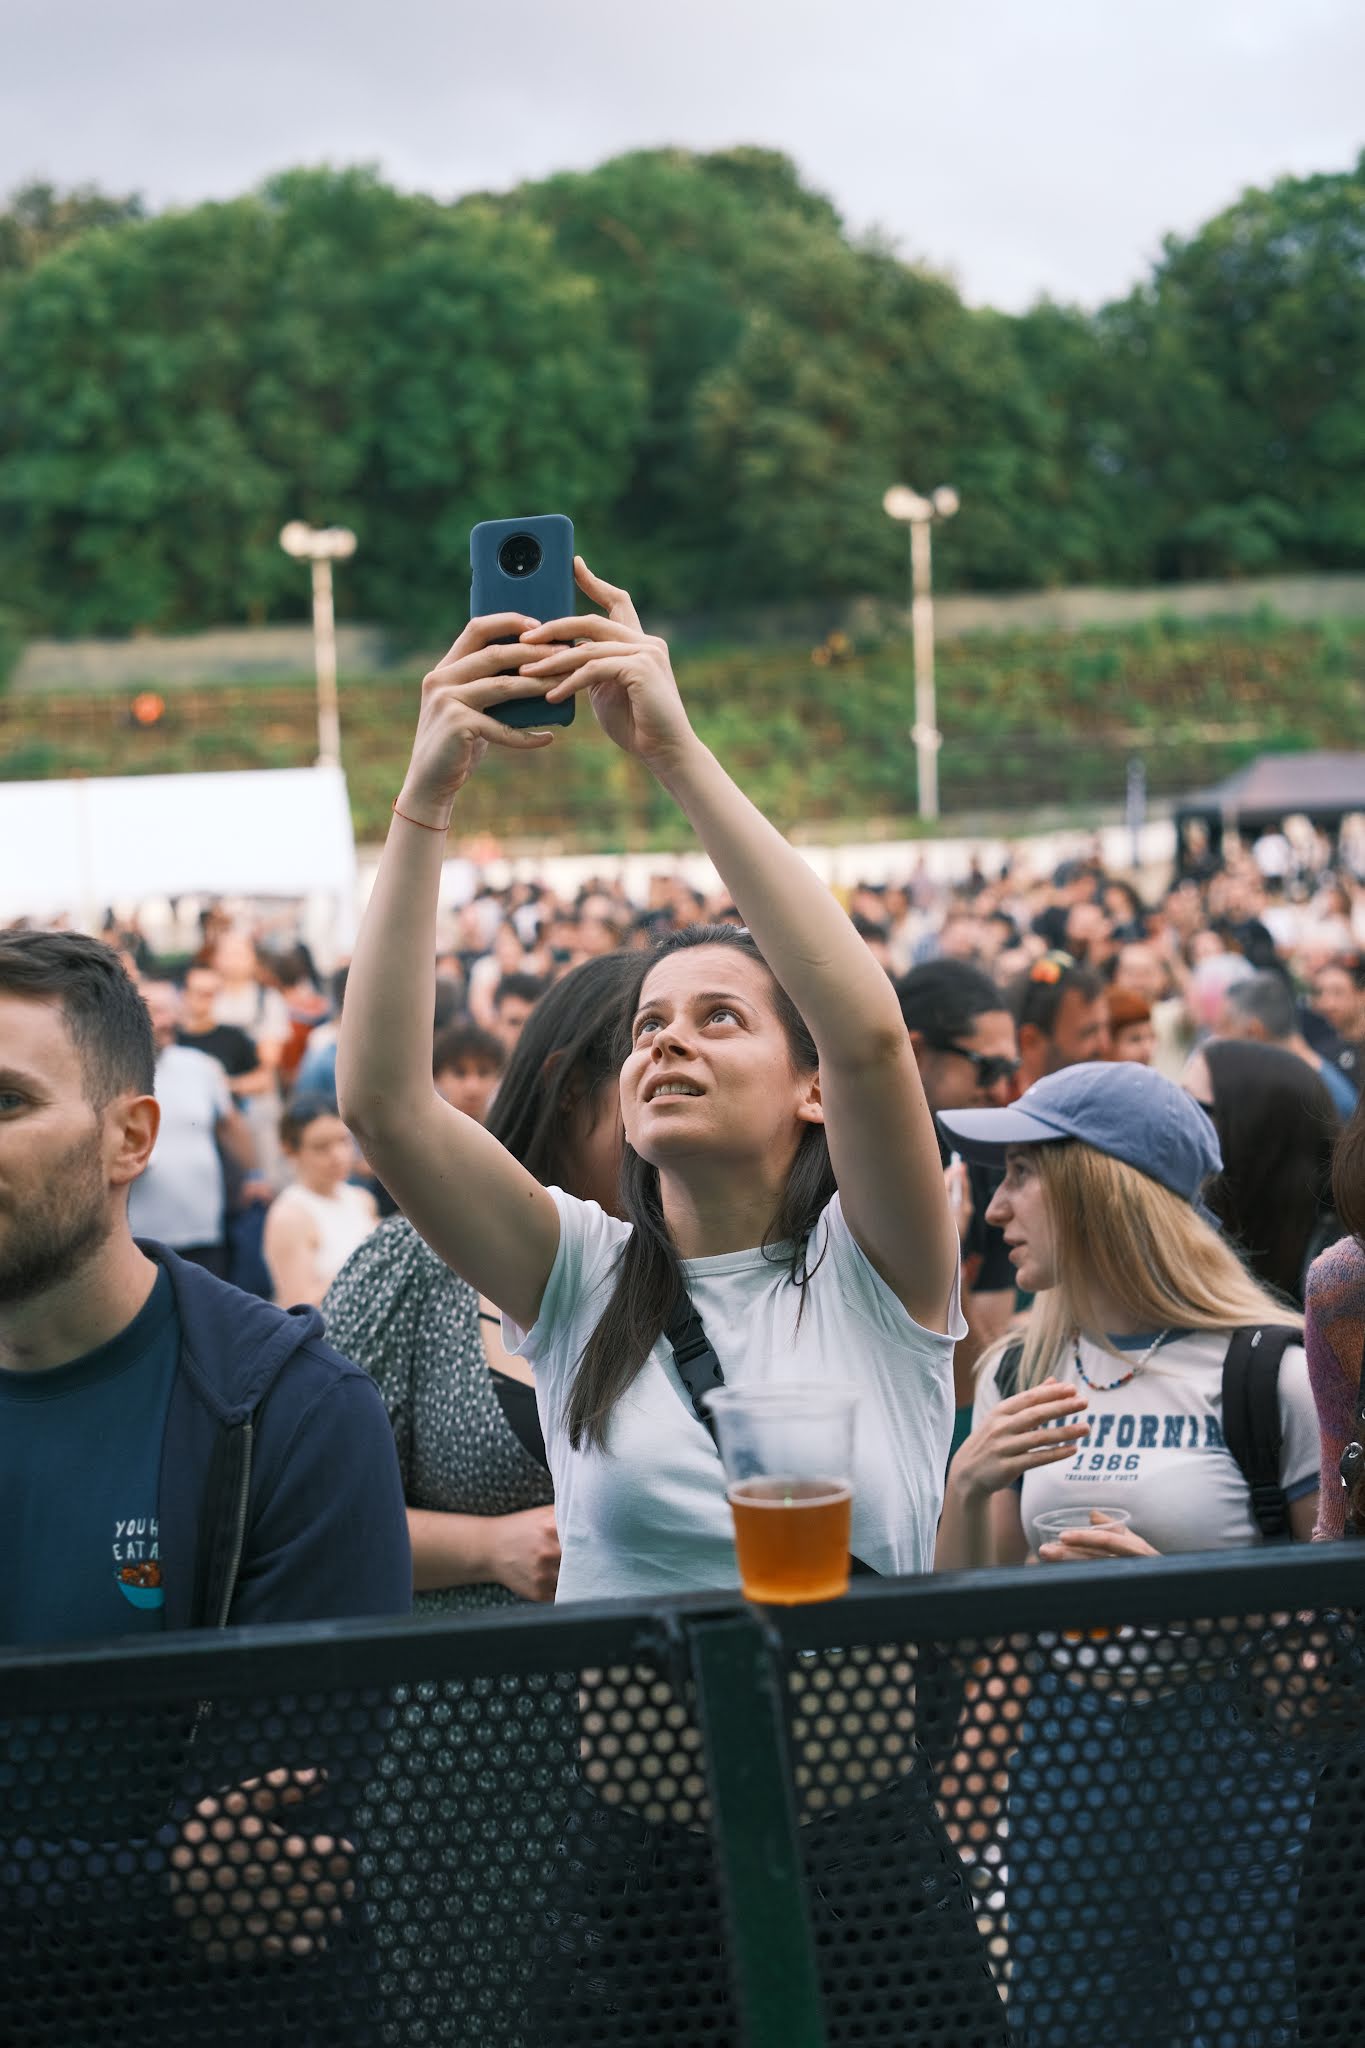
<point>137,1561</point>
<point>1115,1443</point>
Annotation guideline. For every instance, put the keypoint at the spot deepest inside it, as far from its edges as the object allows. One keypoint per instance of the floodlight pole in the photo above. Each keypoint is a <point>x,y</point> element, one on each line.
<point>321,546</point>
<point>919,514</point>
<point>325,663</point>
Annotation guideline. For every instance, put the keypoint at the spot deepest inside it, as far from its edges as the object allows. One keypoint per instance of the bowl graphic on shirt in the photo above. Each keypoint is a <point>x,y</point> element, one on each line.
<point>141,1584</point>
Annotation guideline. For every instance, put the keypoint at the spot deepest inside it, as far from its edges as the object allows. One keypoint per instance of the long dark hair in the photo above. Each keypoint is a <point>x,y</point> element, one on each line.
<point>1348,1175</point>
<point>1276,1125</point>
<point>569,1046</point>
<point>649,1273</point>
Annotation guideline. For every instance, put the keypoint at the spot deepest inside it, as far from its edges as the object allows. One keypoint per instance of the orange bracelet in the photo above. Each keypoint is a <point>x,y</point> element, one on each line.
<point>442,829</point>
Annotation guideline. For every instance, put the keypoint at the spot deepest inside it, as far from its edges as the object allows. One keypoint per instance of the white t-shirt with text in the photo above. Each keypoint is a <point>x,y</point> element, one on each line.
<point>649,1514</point>
<point>1156,1444</point>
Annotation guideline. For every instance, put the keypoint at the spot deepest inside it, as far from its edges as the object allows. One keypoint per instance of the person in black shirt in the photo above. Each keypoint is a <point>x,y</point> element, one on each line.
<point>964,1043</point>
<point>232,1047</point>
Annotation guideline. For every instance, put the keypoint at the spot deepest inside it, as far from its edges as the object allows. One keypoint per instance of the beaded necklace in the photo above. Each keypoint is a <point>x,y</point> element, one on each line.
<point>1108,1386</point>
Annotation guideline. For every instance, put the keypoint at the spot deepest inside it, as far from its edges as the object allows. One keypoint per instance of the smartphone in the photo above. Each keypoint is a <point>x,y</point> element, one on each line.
<point>524,565</point>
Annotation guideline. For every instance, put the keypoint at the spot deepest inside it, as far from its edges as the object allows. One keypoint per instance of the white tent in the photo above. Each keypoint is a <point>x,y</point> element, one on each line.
<point>77,847</point>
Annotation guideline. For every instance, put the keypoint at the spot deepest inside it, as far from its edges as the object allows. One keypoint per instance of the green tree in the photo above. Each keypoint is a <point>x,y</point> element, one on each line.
<point>172,391</point>
<point>1246,381</point>
<point>791,374</point>
<point>39,218</point>
<point>689,353</point>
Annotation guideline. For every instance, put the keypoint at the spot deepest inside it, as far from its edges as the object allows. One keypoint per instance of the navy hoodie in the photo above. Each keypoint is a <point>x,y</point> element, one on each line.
<point>280,1496</point>
<point>280,1500</point>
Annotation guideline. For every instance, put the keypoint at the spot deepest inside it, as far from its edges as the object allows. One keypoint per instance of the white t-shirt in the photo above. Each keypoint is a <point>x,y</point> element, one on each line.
<point>1156,1445</point>
<point>179,1199</point>
<point>342,1221</point>
<point>649,1514</point>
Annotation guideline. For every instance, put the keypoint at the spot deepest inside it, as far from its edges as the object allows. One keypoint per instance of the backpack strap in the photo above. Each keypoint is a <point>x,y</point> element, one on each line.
<point>1007,1372</point>
<point>1251,1419</point>
<point>701,1373</point>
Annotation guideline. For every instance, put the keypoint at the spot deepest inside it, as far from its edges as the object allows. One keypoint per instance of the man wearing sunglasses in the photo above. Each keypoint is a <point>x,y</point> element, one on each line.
<point>964,1042</point>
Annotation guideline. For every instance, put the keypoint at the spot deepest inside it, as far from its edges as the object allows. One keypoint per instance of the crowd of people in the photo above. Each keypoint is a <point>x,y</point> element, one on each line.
<point>1030,1164</point>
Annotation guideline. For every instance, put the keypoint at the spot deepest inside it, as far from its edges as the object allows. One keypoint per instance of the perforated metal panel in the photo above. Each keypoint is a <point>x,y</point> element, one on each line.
<point>1043,1808</point>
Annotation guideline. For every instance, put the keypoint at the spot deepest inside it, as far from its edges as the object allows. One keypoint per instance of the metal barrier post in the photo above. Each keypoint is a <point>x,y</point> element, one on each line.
<point>739,1704</point>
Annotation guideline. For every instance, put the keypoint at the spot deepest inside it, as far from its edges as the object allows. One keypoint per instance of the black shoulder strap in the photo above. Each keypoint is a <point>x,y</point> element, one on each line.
<point>1251,1419</point>
<point>1007,1372</point>
<point>700,1371</point>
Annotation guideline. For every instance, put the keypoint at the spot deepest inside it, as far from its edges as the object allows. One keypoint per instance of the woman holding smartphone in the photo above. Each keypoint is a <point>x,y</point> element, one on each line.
<point>780,1163</point>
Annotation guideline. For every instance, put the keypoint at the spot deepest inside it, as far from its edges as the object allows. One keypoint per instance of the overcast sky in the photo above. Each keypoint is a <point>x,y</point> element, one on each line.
<point>1025,146</point>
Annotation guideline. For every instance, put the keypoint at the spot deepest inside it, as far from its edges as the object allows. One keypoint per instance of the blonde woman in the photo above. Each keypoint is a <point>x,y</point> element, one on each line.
<point>1116,1401</point>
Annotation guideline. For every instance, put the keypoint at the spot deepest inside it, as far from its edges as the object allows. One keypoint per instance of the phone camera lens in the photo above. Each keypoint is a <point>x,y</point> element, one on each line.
<point>520,555</point>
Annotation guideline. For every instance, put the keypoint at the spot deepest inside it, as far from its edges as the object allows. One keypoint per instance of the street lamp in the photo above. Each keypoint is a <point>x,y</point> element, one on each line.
<point>322,545</point>
<point>919,514</point>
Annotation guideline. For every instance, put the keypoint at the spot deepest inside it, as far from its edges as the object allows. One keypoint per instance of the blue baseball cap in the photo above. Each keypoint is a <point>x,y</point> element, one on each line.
<point>1116,1106</point>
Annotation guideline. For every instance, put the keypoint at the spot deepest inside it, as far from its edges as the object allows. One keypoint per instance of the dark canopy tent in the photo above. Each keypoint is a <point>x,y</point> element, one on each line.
<point>1324,788</point>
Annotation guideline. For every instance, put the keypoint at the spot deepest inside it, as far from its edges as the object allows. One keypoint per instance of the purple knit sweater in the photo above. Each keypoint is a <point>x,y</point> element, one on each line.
<point>1334,1340</point>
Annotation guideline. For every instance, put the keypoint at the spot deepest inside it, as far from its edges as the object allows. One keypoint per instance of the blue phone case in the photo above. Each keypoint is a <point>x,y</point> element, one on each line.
<point>505,578</point>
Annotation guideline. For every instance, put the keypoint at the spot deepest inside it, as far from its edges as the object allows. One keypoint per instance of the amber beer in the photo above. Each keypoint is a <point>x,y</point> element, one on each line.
<point>791,1537</point>
<point>787,1449</point>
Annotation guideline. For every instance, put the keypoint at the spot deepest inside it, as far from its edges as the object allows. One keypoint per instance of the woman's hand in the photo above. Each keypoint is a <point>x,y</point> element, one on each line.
<point>1102,1539</point>
<point>625,671</point>
<point>247,1884</point>
<point>523,1553</point>
<point>1025,1432</point>
<point>454,730</point>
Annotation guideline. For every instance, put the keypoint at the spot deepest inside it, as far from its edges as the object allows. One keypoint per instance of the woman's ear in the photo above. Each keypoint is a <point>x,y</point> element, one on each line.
<point>810,1109</point>
<point>549,1071</point>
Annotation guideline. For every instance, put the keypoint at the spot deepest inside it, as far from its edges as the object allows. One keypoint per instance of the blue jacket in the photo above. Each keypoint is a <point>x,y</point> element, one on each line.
<point>280,1493</point>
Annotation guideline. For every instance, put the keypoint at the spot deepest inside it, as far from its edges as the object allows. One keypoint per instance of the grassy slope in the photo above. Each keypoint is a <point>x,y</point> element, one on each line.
<point>819,737</point>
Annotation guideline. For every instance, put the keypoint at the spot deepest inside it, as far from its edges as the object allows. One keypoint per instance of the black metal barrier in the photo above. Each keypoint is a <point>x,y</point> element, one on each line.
<point>1048,1807</point>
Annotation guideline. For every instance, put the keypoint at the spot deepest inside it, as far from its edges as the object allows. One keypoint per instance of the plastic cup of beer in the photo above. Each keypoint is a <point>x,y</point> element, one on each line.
<point>788,1456</point>
<point>1050,1525</point>
<point>1053,1521</point>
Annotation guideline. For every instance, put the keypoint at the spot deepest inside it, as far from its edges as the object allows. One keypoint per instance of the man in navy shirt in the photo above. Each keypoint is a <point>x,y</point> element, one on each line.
<point>145,1406</point>
<point>173,1453</point>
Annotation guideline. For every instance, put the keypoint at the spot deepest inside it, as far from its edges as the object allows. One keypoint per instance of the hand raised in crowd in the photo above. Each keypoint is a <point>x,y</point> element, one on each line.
<point>454,729</point>
<point>524,1553</point>
<point>1025,1432</point>
<point>246,1884</point>
<point>626,672</point>
<point>1102,1539</point>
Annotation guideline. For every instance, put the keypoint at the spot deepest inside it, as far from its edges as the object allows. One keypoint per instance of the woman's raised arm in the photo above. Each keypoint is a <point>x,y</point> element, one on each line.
<point>881,1135</point>
<point>475,1205</point>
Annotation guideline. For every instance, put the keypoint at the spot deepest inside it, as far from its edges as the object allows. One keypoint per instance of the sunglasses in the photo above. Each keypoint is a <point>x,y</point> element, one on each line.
<point>991,1067</point>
